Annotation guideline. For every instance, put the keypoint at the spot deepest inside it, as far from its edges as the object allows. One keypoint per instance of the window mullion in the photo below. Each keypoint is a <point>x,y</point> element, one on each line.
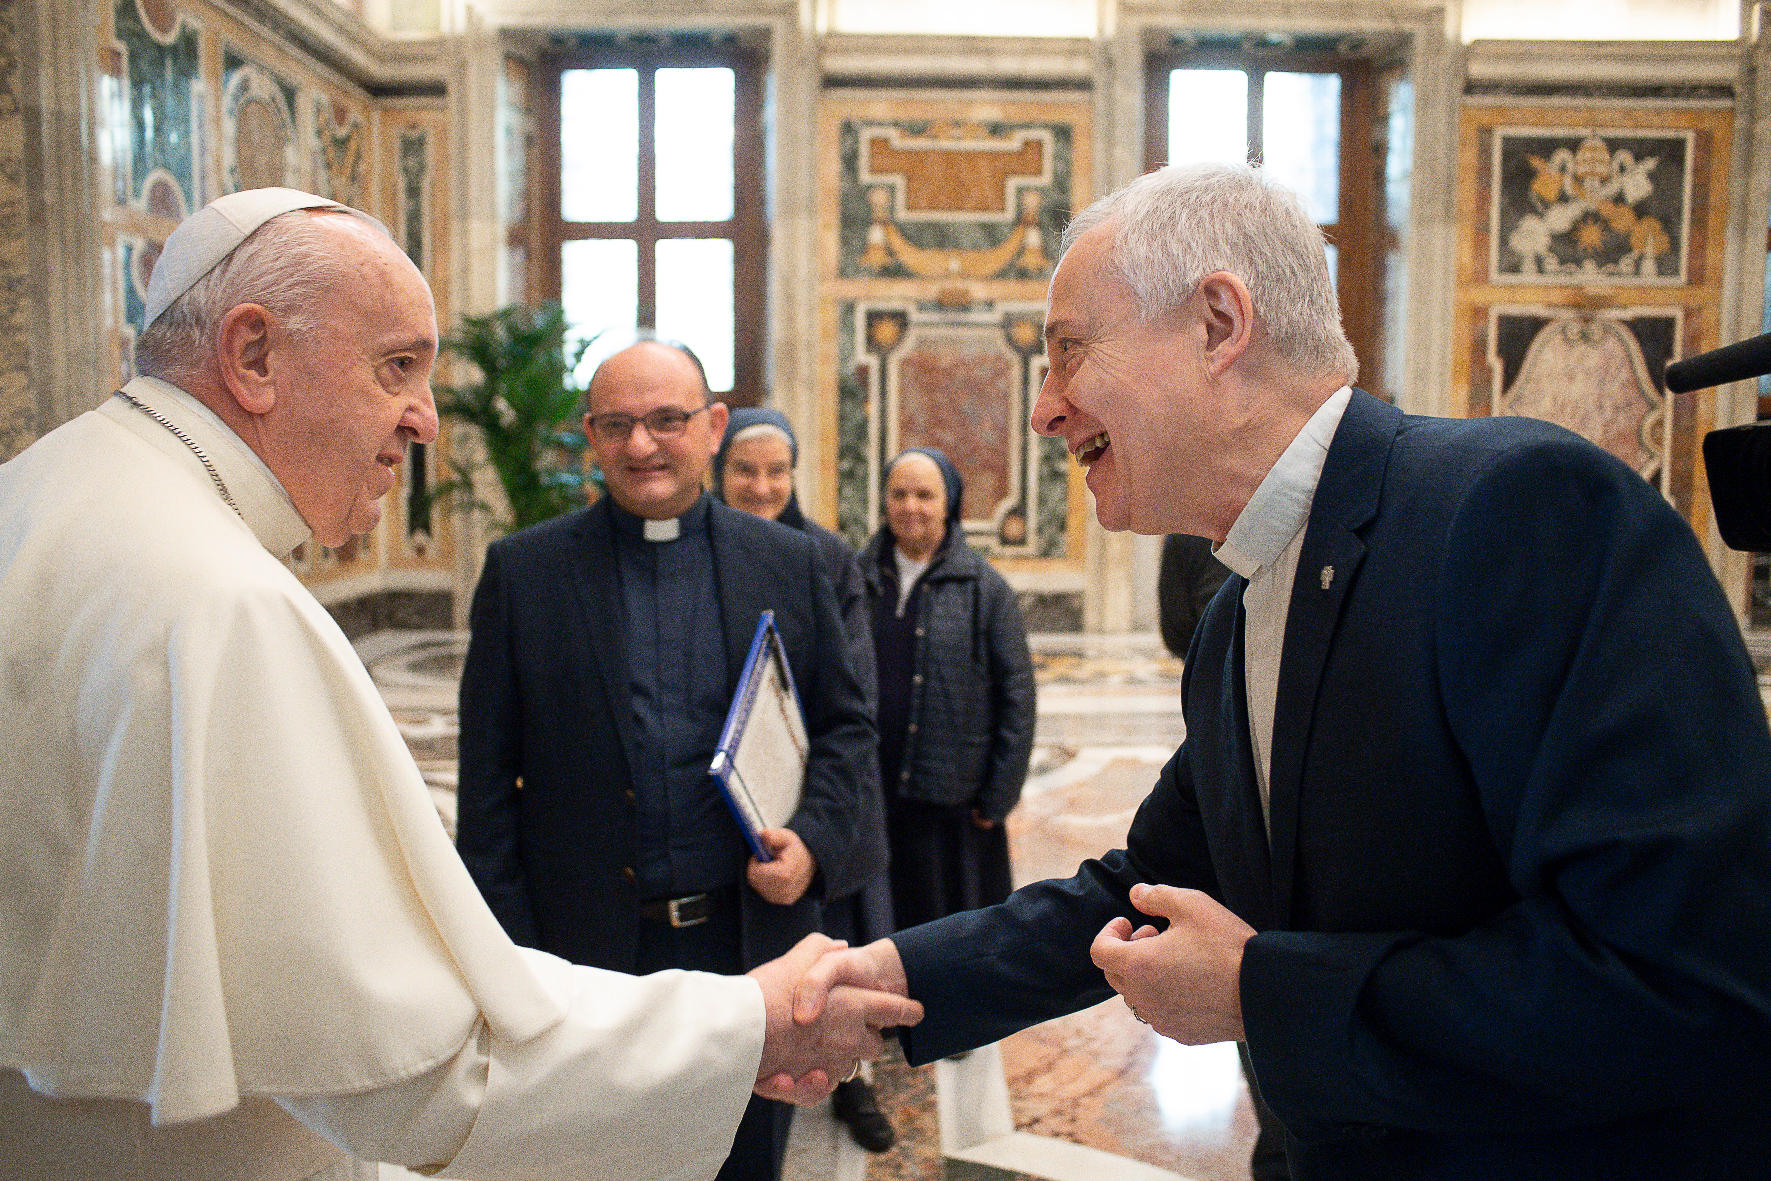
<point>646,229</point>
<point>1257,115</point>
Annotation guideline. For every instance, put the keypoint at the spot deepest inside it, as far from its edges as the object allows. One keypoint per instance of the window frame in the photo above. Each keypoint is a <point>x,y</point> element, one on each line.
<point>747,229</point>
<point>1360,233</point>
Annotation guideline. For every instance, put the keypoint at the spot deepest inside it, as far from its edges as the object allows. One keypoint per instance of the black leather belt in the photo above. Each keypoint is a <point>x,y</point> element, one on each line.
<point>691,910</point>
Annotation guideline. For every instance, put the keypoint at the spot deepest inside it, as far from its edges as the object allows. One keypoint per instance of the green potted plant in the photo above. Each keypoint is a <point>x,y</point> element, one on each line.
<point>526,407</point>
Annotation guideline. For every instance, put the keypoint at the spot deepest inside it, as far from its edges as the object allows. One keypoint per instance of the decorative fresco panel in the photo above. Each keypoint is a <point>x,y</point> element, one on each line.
<point>1591,234</point>
<point>258,135</point>
<point>1596,374</point>
<point>19,414</point>
<point>1601,206</point>
<point>952,199</point>
<point>414,181</point>
<point>161,96</point>
<point>339,170</point>
<point>962,379</point>
<point>413,186</point>
<point>947,212</point>
<point>516,130</point>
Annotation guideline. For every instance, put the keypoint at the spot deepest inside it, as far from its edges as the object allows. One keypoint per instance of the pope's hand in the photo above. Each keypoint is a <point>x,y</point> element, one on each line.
<point>803,1061</point>
<point>784,878</point>
<point>1185,982</point>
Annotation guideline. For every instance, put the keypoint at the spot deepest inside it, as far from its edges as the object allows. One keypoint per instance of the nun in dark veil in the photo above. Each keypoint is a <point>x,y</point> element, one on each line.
<point>956,695</point>
<point>753,471</point>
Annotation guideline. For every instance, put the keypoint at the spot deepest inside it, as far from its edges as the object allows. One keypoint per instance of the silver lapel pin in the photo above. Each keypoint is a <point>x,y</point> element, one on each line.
<point>1327,577</point>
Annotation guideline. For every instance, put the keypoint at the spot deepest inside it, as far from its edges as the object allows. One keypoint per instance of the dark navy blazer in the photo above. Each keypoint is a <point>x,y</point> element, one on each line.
<point>547,735</point>
<point>1515,917</point>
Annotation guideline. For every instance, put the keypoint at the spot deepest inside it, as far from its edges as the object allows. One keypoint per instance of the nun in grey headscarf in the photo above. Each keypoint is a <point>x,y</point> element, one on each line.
<point>956,695</point>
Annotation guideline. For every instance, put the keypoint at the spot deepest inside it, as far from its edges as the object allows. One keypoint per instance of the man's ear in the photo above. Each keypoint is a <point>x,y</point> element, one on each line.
<point>1229,319</point>
<point>243,353</point>
<point>718,415</point>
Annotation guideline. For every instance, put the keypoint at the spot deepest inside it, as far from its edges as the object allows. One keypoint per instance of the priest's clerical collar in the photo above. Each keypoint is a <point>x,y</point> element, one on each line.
<point>636,528</point>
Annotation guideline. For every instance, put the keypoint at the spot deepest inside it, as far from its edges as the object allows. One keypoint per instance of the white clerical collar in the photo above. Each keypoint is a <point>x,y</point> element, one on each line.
<point>669,529</point>
<point>1280,507</point>
<point>263,504</point>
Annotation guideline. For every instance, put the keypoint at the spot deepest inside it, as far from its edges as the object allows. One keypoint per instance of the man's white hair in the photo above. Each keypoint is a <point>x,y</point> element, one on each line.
<point>285,265</point>
<point>1174,226</point>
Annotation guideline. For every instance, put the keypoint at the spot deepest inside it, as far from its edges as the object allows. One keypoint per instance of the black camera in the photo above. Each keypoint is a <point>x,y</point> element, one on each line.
<point>1739,457</point>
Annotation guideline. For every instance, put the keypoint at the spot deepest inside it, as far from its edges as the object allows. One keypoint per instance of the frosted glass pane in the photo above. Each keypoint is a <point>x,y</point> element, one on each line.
<point>599,145</point>
<point>1399,164</point>
<point>1301,134</point>
<point>696,110</point>
<point>599,288</point>
<point>1207,117</point>
<point>695,302</point>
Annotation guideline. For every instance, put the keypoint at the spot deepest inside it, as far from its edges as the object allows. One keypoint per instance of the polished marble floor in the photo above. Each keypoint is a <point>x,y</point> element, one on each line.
<point>1093,1097</point>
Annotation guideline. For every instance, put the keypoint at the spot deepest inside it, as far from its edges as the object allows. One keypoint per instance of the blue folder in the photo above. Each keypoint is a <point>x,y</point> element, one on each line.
<point>760,764</point>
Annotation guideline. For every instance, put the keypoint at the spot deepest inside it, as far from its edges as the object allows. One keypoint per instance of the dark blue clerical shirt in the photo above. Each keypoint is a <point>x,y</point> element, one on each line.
<point>686,838</point>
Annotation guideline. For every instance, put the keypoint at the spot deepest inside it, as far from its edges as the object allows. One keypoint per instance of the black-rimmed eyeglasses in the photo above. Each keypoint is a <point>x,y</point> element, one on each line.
<point>666,422</point>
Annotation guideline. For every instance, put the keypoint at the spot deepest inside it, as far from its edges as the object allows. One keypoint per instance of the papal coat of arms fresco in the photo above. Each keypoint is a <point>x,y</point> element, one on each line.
<point>1590,206</point>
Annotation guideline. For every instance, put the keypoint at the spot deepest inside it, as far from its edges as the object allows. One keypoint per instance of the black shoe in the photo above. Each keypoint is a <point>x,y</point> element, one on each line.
<point>855,1104</point>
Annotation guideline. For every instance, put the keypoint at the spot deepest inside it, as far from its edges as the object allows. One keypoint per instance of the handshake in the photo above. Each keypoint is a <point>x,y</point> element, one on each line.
<point>828,1008</point>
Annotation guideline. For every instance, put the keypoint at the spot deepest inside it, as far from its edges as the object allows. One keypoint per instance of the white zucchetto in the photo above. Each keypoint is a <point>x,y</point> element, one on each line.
<point>213,232</point>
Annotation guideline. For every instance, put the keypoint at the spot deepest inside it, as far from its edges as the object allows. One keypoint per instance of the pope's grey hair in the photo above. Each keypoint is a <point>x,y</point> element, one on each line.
<point>285,266</point>
<point>1174,226</point>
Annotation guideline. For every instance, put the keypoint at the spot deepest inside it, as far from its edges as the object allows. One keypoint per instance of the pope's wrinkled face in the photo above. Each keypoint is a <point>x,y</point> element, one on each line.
<point>353,393</point>
<point>1127,396</point>
<point>916,505</point>
<point>758,475</point>
<point>655,475</point>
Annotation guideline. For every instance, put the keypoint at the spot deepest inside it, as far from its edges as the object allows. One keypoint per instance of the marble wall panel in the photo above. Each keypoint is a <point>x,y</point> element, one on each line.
<point>946,212</point>
<point>947,199</point>
<point>19,425</point>
<point>416,176</point>
<point>340,148</point>
<point>516,132</point>
<point>260,145</point>
<point>1596,374</point>
<point>1590,254</point>
<point>156,58</point>
<point>922,373</point>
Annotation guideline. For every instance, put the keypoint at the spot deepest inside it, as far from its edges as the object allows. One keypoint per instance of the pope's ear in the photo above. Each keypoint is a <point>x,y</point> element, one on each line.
<point>243,352</point>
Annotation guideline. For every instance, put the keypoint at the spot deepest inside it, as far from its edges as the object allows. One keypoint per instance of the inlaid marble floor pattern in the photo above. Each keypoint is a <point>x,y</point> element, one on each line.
<point>1091,1097</point>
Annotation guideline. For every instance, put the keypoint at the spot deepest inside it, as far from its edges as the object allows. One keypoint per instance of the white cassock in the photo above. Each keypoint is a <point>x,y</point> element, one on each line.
<point>229,916</point>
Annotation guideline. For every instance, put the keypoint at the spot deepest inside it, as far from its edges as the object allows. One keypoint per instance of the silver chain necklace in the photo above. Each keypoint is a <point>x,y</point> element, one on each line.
<point>182,437</point>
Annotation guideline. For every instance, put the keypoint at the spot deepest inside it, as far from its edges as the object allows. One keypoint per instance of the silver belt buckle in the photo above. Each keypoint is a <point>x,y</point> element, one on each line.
<point>672,908</point>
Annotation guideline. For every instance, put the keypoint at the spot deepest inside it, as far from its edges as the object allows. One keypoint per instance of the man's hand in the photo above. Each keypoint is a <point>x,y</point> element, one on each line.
<point>803,1061</point>
<point>1185,982</point>
<point>875,967</point>
<point>784,879</point>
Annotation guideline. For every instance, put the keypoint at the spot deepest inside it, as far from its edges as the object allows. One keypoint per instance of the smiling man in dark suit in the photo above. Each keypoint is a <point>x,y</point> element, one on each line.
<point>1470,836</point>
<point>606,648</point>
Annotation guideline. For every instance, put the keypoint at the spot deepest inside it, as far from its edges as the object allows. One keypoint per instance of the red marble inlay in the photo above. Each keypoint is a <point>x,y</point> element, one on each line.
<point>160,16</point>
<point>161,198</point>
<point>956,391</point>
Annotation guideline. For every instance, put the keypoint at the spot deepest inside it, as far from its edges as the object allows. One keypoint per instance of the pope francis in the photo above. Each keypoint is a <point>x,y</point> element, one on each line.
<point>235,941</point>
